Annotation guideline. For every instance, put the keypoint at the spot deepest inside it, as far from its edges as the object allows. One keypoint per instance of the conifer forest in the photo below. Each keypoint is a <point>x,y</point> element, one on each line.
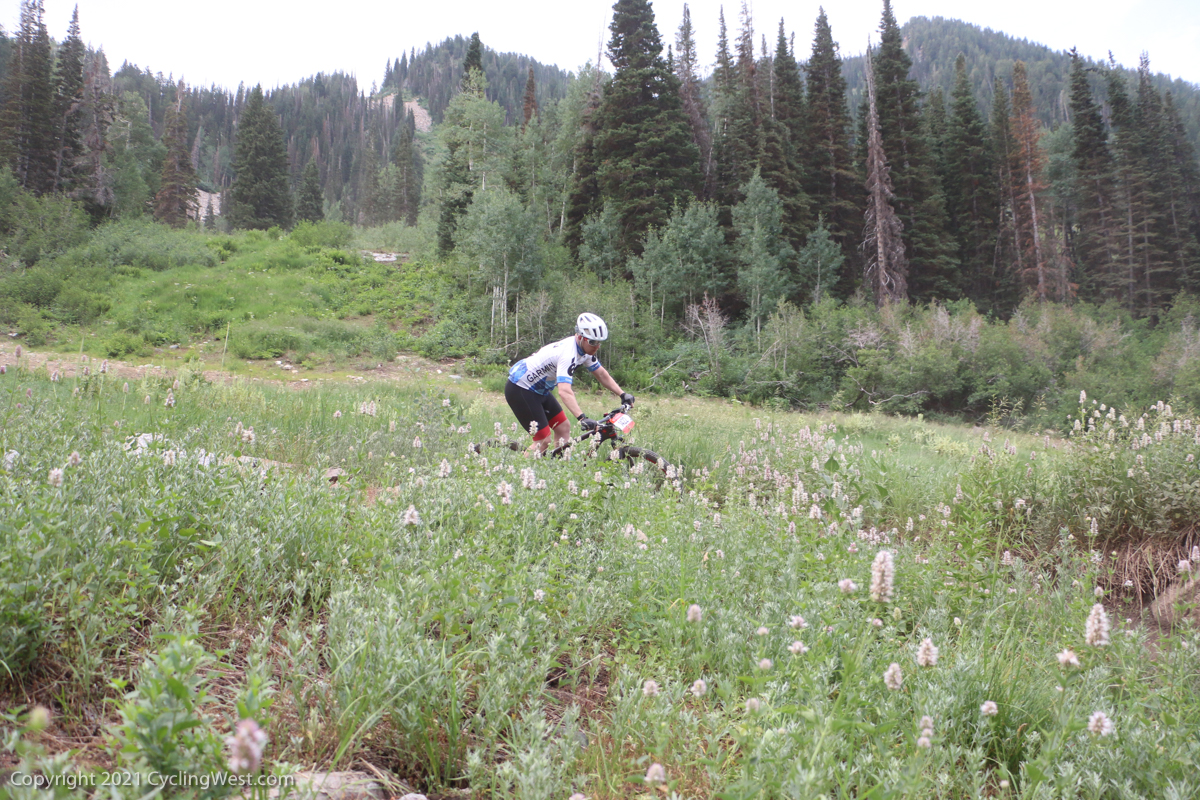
<point>725,209</point>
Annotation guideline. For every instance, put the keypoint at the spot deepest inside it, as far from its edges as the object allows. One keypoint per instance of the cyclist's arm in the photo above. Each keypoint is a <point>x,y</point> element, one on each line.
<point>607,381</point>
<point>566,393</point>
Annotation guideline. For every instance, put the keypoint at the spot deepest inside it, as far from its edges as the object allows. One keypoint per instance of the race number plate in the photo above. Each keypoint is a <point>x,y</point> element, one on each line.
<point>623,423</point>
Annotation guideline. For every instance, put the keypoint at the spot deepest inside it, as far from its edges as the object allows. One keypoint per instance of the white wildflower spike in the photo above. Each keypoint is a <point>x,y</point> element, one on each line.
<point>444,469</point>
<point>753,705</point>
<point>847,586</point>
<point>56,478</point>
<point>650,688</point>
<point>539,595</point>
<point>74,459</point>
<point>797,648</point>
<point>411,517</point>
<point>656,774</point>
<point>927,654</point>
<point>883,574</point>
<point>765,664</point>
<point>694,613</point>
<point>763,631</point>
<point>796,621</point>
<point>892,677</point>
<point>1100,725</point>
<point>1097,630</point>
<point>246,747</point>
<point>989,708</point>
<point>699,688</point>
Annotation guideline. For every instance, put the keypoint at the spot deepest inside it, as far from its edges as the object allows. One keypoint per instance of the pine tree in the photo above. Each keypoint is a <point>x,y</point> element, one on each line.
<point>725,153</point>
<point>933,271</point>
<point>583,197</point>
<point>971,195</point>
<point>691,96</point>
<point>1185,194</point>
<point>93,179</point>
<point>529,106</point>
<point>1097,246</point>
<point>833,186</point>
<point>176,200</point>
<point>885,272</point>
<point>764,256</point>
<point>27,119</point>
<point>406,192</point>
<point>259,196</point>
<point>473,62</point>
<point>310,201</point>
<point>68,102</point>
<point>784,140</point>
<point>647,160</point>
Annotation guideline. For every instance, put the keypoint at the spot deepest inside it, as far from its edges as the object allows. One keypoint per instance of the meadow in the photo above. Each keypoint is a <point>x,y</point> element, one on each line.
<point>834,605</point>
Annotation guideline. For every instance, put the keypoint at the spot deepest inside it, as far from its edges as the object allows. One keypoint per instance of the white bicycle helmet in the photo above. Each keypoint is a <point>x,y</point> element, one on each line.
<point>591,326</point>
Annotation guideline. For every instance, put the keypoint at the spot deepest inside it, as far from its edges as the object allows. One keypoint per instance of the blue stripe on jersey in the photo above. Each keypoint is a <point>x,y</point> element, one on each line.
<point>565,379</point>
<point>594,367</point>
<point>518,371</point>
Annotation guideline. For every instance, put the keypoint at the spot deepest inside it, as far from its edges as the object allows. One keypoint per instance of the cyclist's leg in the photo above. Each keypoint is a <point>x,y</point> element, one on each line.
<point>558,420</point>
<point>527,408</point>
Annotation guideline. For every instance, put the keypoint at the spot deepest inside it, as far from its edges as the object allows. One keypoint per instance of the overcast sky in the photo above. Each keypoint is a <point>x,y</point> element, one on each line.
<point>273,43</point>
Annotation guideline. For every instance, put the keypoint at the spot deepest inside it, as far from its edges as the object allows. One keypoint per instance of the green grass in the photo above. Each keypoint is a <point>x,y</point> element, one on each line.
<point>474,646</point>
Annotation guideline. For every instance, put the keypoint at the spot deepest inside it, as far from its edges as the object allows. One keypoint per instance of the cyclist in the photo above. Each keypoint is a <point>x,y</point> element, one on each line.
<point>532,381</point>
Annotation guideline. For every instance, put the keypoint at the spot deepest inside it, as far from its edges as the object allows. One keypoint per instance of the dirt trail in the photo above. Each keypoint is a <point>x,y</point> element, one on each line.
<point>71,365</point>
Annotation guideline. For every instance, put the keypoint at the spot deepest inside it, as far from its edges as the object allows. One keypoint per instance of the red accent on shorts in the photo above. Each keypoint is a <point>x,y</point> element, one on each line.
<point>557,419</point>
<point>542,434</point>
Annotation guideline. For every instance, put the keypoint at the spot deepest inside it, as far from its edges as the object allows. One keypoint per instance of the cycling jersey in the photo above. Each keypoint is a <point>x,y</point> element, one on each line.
<point>553,364</point>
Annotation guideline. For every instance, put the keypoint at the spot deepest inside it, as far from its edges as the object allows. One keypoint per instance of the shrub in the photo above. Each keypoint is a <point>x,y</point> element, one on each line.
<point>122,343</point>
<point>253,343</point>
<point>145,244</point>
<point>37,287</point>
<point>34,325</point>
<point>322,234</point>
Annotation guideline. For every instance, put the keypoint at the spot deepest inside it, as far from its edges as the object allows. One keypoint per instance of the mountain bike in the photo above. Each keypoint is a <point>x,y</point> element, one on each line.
<point>610,428</point>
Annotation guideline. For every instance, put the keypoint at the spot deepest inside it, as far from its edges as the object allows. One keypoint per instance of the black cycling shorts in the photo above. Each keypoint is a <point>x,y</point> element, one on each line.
<point>530,407</point>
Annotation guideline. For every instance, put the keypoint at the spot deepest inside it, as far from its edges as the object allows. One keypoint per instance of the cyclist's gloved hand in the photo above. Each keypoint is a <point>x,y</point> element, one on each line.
<point>627,398</point>
<point>588,423</point>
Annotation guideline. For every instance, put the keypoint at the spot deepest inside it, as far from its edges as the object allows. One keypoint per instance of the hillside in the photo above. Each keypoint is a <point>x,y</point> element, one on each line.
<point>934,43</point>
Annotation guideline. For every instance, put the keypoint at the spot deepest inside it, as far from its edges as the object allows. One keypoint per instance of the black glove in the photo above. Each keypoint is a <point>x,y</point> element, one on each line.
<point>588,423</point>
<point>627,398</point>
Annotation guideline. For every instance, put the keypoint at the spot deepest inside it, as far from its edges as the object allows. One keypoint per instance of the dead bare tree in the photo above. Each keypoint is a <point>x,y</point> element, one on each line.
<point>705,321</point>
<point>886,270</point>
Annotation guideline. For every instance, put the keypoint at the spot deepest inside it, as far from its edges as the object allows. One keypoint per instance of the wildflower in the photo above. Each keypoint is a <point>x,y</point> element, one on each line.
<point>337,415</point>
<point>146,401</point>
<point>170,401</point>
<point>762,631</point>
<point>248,435</point>
<point>411,517</point>
<point>877,622</point>
<point>417,443</point>
<point>883,573</point>
<point>765,664</point>
<point>1098,592</point>
<point>797,648</point>
<point>847,586</point>
<point>753,705</point>
<point>892,677</point>
<point>1067,658</point>
<point>578,796</point>
<point>1100,725</point>
<point>56,477</point>
<point>1082,396</point>
<point>1007,559</point>
<point>1097,627</point>
<point>539,595</point>
<point>797,622</point>
<point>18,351</point>
<point>926,725</point>
<point>1185,566</point>
<point>989,708</point>
<point>927,654</point>
<point>246,747</point>
<point>924,742</point>
<point>814,512</point>
<point>74,459</point>
<point>699,688</point>
<point>694,613</point>
<point>169,458</point>
<point>444,469</point>
<point>650,688</point>
<point>908,526</point>
<point>656,774</point>
<point>504,491</point>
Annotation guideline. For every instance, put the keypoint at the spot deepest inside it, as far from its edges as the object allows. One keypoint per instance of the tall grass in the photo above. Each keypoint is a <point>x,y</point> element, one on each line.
<point>510,647</point>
